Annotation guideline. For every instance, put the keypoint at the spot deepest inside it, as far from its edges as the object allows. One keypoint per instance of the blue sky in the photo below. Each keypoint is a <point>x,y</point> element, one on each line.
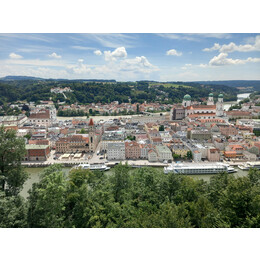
<point>127,57</point>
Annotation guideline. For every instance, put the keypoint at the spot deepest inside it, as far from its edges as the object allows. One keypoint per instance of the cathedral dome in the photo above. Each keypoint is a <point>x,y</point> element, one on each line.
<point>187,97</point>
<point>220,95</point>
<point>211,95</point>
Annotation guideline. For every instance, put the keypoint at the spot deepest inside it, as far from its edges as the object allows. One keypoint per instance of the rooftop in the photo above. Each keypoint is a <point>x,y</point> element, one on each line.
<point>35,146</point>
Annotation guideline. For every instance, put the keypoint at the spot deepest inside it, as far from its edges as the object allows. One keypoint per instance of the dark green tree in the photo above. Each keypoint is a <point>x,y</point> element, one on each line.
<point>13,211</point>
<point>47,199</point>
<point>161,128</point>
<point>12,152</point>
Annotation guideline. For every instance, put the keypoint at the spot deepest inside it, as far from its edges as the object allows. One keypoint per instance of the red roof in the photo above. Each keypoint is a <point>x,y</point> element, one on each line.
<point>91,122</point>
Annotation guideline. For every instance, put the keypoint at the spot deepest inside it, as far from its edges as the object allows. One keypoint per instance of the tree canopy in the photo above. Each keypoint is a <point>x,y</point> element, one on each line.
<point>144,197</point>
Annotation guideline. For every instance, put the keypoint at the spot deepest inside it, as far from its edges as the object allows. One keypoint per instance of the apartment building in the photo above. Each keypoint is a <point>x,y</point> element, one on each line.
<point>132,150</point>
<point>41,118</point>
<point>116,151</point>
<point>74,143</point>
<point>164,153</point>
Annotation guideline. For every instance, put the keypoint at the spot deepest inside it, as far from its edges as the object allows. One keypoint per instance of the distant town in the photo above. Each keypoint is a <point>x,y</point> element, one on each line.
<point>189,132</point>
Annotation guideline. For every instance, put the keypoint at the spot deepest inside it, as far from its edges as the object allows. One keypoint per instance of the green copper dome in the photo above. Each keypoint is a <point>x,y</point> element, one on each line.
<point>187,97</point>
<point>220,95</point>
<point>211,95</point>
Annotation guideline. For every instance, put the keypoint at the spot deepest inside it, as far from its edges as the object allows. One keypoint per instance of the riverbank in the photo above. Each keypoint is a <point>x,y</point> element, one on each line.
<point>240,97</point>
<point>103,118</point>
<point>34,176</point>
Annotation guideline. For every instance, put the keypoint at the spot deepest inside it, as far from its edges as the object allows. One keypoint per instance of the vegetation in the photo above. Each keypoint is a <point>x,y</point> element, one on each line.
<point>143,197</point>
<point>12,151</point>
<point>161,128</point>
<point>13,209</point>
<point>34,90</point>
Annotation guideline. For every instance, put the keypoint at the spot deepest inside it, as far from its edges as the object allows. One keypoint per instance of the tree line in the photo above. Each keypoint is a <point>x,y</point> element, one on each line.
<point>94,92</point>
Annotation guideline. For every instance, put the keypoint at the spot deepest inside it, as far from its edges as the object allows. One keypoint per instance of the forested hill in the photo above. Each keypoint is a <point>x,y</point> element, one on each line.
<point>235,83</point>
<point>14,78</point>
<point>106,92</point>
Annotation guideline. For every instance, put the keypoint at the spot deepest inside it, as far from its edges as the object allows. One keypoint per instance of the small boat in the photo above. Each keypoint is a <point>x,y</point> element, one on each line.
<point>243,167</point>
<point>246,166</point>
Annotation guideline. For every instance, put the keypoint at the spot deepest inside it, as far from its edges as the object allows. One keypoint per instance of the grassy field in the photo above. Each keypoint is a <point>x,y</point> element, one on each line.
<point>167,85</point>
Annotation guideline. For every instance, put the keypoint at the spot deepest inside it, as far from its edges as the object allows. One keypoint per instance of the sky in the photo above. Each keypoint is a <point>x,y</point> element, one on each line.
<point>131,57</point>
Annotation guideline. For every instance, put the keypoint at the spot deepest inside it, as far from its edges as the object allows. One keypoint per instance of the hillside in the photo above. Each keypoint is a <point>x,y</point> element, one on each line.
<point>85,92</point>
<point>236,83</point>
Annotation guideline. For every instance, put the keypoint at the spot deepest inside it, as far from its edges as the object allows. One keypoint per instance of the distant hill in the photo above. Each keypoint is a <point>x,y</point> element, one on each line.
<point>10,78</point>
<point>14,78</point>
<point>235,83</point>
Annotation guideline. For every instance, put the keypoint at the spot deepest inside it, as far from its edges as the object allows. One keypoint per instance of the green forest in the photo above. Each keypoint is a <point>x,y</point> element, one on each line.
<point>128,198</point>
<point>106,92</point>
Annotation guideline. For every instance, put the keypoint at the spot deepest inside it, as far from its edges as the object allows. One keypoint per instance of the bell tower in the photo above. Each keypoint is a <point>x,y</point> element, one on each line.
<point>210,100</point>
<point>91,134</point>
<point>220,106</point>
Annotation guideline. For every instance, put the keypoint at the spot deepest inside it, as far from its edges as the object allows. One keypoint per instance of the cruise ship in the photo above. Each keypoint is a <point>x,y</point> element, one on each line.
<point>87,166</point>
<point>198,168</point>
<point>248,165</point>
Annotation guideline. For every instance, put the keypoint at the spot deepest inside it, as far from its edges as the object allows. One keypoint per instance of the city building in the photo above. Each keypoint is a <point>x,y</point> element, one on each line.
<point>213,155</point>
<point>40,118</point>
<point>74,143</point>
<point>116,151</point>
<point>132,150</point>
<point>36,152</point>
<point>164,153</point>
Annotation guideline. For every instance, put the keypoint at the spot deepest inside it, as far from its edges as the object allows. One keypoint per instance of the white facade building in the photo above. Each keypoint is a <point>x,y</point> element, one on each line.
<point>116,151</point>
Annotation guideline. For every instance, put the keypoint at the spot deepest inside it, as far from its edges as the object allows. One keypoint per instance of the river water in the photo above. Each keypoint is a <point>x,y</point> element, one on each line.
<point>240,97</point>
<point>34,176</point>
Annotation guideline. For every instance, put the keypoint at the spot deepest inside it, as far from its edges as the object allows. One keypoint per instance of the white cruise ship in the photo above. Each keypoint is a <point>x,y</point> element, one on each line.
<point>100,167</point>
<point>198,168</point>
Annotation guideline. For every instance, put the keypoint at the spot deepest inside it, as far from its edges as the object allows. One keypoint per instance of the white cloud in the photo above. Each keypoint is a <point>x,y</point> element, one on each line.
<point>194,36</point>
<point>14,56</point>
<point>36,62</point>
<point>203,65</point>
<point>231,47</point>
<point>112,40</point>
<point>84,48</point>
<point>54,55</point>
<point>186,66</point>
<point>222,60</point>
<point>138,64</point>
<point>98,52</point>
<point>79,68</point>
<point>173,52</point>
<point>116,54</point>
<point>215,47</point>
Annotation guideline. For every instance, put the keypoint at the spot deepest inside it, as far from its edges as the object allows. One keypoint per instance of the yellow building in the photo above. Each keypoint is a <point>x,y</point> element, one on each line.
<point>180,150</point>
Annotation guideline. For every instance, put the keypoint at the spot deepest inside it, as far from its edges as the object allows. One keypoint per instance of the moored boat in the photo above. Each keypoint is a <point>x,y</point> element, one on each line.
<point>87,166</point>
<point>198,168</point>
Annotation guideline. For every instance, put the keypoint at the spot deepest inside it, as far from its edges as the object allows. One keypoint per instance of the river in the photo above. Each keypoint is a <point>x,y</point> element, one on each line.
<point>34,176</point>
<point>240,97</point>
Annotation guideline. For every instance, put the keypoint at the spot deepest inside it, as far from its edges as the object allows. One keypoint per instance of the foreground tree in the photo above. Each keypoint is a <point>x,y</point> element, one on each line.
<point>12,151</point>
<point>47,199</point>
<point>144,197</point>
<point>13,211</point>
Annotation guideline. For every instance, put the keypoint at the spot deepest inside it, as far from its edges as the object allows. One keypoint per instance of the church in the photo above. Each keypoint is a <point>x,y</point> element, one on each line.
<point>193,111</point>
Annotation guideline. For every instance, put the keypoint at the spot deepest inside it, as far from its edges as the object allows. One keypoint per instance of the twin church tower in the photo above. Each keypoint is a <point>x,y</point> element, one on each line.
<point>210,110</point>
